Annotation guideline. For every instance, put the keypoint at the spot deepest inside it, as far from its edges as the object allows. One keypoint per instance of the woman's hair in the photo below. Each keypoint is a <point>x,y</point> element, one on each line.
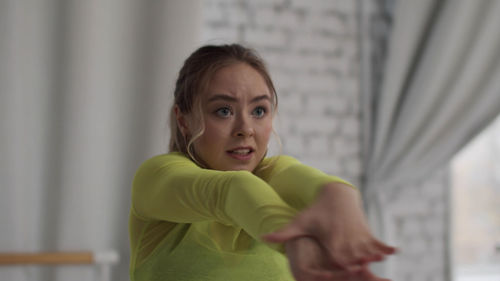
<point>194,79</point>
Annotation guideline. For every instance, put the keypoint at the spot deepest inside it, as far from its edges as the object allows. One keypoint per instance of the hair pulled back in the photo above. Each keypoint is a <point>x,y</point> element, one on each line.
<point>194,79</point>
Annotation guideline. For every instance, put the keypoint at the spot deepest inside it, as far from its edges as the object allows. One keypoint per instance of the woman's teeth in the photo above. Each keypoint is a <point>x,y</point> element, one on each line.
<point>241,151</point>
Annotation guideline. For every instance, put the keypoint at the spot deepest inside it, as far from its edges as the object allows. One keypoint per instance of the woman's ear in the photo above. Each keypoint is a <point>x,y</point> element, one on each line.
<point>181,121</point>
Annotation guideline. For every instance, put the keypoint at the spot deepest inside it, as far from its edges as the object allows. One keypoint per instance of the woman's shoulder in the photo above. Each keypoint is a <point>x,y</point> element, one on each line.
<point>275,164</point>
<point>170,156</point>
<point>165,160</point>
<point>280,160</point>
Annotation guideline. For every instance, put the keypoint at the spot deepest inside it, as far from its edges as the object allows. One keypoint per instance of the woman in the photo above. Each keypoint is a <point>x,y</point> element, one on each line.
<point>215,208</point>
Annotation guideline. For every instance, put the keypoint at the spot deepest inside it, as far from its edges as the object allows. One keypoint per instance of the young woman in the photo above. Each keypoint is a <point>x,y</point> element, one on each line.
<point>215,208</point>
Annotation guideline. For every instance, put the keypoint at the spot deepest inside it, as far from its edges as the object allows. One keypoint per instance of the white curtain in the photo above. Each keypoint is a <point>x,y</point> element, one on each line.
<point>85,90</point>
<point>441,87</point>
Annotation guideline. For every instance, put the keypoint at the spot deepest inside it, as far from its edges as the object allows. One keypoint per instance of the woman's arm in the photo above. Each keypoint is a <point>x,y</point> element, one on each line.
<point>330,211</point>
<point>171,187</point>
<point>297,184</point>
<point>309,261</point>
<point>336,220</point>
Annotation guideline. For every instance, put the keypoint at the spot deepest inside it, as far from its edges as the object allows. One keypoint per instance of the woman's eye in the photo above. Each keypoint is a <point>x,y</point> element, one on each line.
<point>259,111</point>
<point>223,112</point>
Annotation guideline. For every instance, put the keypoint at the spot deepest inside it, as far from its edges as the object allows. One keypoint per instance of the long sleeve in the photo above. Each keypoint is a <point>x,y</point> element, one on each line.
<point>297,184</point>
<point>171,187</point>
<point>189,223</point>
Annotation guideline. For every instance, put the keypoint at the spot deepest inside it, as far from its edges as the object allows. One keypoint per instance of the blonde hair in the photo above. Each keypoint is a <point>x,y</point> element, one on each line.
<point>193,80</point>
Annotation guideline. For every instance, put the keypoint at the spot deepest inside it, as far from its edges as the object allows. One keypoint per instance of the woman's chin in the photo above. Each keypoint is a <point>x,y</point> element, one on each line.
<point>238,167</point>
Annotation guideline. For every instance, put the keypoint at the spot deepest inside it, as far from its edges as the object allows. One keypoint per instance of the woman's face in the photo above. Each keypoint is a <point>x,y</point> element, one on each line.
<point>237,114</point>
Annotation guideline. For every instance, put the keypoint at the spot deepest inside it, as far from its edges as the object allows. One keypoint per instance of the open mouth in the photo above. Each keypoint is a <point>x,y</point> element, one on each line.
<point>241,151</point>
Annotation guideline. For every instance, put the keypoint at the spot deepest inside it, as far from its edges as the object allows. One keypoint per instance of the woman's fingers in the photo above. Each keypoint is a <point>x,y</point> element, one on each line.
<point>386,249</point>
<point>370,252</point>
<point>367,259</point>
<point>345,257</point>
<point>289,232</point>
<point>356,253</point>
<point>314,275</point>
<point>310,261</point>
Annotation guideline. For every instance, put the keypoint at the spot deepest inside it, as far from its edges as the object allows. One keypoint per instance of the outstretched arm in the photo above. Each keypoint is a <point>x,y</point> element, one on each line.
<point>297,184</point>
<point>337,221</point>
<point>330,211</point>
<point>171,187</point>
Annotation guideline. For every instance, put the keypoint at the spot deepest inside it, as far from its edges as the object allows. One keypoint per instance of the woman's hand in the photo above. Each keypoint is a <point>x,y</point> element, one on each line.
<point>308,261</point>
<point>337,222</point>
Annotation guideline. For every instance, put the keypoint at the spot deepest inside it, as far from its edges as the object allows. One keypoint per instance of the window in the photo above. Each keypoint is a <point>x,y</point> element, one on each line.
<point>475,180</point>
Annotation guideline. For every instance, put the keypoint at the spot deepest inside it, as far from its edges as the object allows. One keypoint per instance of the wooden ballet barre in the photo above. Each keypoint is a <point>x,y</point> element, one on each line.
<point>104,260</point>
<point>58,258</point>
<point>47,258</point>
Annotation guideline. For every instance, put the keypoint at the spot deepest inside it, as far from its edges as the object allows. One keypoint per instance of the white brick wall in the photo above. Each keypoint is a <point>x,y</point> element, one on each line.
<point>418,221</point>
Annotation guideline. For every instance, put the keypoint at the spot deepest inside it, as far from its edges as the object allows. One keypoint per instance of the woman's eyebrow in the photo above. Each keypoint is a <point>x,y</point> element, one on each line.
<point>233,99</point>
<point>222,97</point>
<point>259,98</point>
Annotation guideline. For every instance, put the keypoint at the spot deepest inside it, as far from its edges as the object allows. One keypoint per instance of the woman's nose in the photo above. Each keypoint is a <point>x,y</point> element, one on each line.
<point>243,127</point>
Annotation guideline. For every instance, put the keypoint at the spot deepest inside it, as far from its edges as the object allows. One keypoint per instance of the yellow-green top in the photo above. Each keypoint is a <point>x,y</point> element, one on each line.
<point>188,223</point>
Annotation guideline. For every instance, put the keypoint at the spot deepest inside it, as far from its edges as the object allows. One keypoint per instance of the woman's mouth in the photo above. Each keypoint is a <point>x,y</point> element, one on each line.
<point>241,153</point>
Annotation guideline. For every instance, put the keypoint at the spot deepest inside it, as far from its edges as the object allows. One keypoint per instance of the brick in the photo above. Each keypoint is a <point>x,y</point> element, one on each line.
<point>350,127</point>
<point>328,165</point>
<point>433,225</point>
<point>352,166</point>
<point>266,37</point>
<point>332,22</point>
<point>291,104</point>
<point>286,126</point>
<point>345,148</point>
<point>304,61</point>
<point>316,126</point>
<point>240,15</point>
<point>318,145</point>
<point>284,82</point>
<point>336,105</point>
<point>317,104</point>
<point>347,6</point>
<point>213,12</point>
<point>313,6</point>
<point>266,3</point>
<point>417,247</point>
<point>286,20</point>
<point>293,145</point>
<point>408,205</point>
<point>265,17</point>
<point>304,42</point>
<point>226,34</point>
<point>274,147</point>
<point>318,83</point>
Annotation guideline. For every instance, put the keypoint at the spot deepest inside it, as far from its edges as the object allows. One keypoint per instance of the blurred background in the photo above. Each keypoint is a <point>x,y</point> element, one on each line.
<point>398,97</point>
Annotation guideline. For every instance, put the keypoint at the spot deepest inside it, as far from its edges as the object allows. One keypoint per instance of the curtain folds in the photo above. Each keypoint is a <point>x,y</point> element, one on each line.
<point>440,88</point>
<point>85,90</point>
